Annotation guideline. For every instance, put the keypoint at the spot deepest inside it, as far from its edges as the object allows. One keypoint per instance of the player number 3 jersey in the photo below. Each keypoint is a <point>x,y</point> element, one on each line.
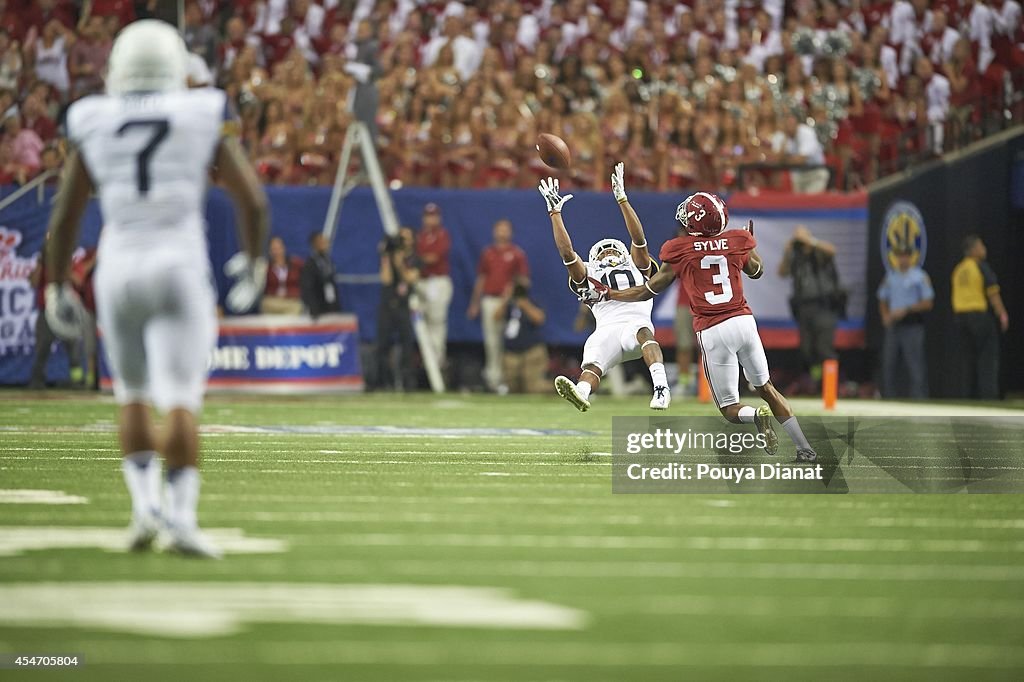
<point>148,155</point>
<point>710,271</point>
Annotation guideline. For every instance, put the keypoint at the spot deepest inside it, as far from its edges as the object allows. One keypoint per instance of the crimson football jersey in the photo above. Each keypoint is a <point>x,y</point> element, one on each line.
<point>710,271</point>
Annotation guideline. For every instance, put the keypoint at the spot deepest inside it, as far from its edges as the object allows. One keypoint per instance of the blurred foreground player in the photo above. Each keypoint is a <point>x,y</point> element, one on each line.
<point>708,260</point>
<point>624,330</point>
<point>146,147</point>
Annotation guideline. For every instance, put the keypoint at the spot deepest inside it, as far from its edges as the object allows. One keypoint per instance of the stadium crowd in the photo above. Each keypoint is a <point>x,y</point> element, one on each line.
<point>685,92</point>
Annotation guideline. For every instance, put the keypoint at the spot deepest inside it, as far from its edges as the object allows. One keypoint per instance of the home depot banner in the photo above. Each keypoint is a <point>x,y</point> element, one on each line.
<point>282,354</point>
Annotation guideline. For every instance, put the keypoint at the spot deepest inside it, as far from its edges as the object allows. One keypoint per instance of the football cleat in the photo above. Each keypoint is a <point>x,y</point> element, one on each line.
<point>142,532</point>
<point>806,455</point>
<point>662,398</point>
<point>763,420</point>
<point>188,542</point>
<point>567,389</point>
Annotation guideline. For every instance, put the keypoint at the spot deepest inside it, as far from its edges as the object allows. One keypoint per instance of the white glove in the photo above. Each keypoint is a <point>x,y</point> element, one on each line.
<point>593,294</point>
<point>361,72</point>
<point>549,190</point>
<point>618,186</point>
<point>64,312</point>
<point>250,279</point>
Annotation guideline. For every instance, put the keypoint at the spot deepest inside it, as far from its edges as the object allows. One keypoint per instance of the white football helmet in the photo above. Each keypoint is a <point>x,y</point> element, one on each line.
<point>147,56</point>
<point>618,256</point>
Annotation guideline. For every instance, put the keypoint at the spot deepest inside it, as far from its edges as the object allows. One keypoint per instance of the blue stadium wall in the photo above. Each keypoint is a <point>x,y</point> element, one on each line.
<point>978,191</point>
<point>469,216</point>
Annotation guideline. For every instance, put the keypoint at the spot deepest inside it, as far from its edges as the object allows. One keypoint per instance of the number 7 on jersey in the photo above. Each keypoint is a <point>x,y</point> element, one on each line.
<point>160,127</point>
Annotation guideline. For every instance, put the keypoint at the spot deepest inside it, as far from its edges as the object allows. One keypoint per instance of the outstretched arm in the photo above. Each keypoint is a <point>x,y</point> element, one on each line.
<point>549,190</point>
<point>73,197</point>
<point>655,285</point>
<point>570,258</point>
<point>638,248</point>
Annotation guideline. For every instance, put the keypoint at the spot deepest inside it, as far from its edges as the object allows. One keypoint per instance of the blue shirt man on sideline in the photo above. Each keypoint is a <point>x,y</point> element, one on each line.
<point>904,296</point>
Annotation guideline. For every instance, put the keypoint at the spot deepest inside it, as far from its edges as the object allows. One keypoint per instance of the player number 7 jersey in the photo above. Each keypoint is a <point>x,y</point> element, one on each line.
<point>148,156</point>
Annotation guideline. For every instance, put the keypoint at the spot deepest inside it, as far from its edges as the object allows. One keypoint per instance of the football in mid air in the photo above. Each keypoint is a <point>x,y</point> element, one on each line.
<point>553,150</point>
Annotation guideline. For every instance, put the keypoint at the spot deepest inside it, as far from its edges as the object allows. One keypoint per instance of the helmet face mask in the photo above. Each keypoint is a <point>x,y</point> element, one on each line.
<point>703,215</point>
<point>147,56</point>
<point>609,253</point>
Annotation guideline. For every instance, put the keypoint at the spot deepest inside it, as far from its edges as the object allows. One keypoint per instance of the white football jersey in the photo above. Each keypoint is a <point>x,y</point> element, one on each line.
<point>619,277</point>
<point>148,157</point>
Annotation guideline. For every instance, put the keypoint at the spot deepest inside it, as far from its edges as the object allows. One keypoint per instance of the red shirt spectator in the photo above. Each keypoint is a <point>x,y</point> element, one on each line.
<point>277,46</point>
<point>433,244</point>
<point>87,58</point>
<point>10,21</point>
<point>283,275</point>
<point>42,11</point>
<point>124,10</point>
<point>235,40</point>
<point>35,118</point>
<point>501,262</point>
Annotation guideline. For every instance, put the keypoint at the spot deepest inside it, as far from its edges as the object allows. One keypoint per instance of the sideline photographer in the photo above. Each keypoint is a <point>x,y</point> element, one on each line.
<point>399,272</point>
<point>818,300</point>
<point>525,357</point>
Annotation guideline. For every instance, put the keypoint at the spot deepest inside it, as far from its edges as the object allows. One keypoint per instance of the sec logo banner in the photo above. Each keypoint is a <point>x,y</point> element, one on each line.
<point>902,229</point>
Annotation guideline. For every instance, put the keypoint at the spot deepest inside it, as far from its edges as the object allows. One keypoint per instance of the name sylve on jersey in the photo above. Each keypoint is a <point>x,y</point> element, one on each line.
<point>711,245</point>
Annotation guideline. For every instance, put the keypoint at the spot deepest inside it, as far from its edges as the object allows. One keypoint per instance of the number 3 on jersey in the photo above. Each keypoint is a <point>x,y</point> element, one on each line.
<point>159,128</point>
<point>721,279</point>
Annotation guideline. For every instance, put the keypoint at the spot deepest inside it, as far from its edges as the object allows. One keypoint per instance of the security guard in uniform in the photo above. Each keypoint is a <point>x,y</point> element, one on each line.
<point>904,297</point>
<point>975,289</point>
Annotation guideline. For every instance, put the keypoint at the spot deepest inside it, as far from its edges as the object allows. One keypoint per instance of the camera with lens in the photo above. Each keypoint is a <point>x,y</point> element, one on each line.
<point>393,244</point>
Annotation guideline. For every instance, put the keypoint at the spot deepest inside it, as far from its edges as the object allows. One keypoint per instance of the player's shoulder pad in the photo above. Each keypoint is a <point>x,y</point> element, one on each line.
<point>672,250</point>
<point>82,115</point>
<point>741,239</point>
<point>216,103</point>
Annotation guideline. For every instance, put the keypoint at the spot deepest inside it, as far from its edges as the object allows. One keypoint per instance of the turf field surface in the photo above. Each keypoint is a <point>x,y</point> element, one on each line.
<point>476,537</point>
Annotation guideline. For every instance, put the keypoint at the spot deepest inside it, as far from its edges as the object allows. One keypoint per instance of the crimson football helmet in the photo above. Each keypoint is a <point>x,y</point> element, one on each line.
<point>703,214</point>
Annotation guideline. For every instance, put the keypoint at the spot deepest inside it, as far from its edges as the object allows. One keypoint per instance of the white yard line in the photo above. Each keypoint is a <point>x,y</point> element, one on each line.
<point>16,540</point>
<point>199,610</point>
<point>832,606</point>
<point>672,542</point>
<point>896,408</point>
<point>825,570</point>
<point>48,497</point>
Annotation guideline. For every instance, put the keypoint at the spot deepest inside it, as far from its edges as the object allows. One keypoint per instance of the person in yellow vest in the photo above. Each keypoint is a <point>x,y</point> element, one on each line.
<point>975,299</point>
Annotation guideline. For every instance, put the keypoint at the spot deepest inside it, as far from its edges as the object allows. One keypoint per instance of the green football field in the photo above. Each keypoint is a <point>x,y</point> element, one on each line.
<point>476,537</point>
